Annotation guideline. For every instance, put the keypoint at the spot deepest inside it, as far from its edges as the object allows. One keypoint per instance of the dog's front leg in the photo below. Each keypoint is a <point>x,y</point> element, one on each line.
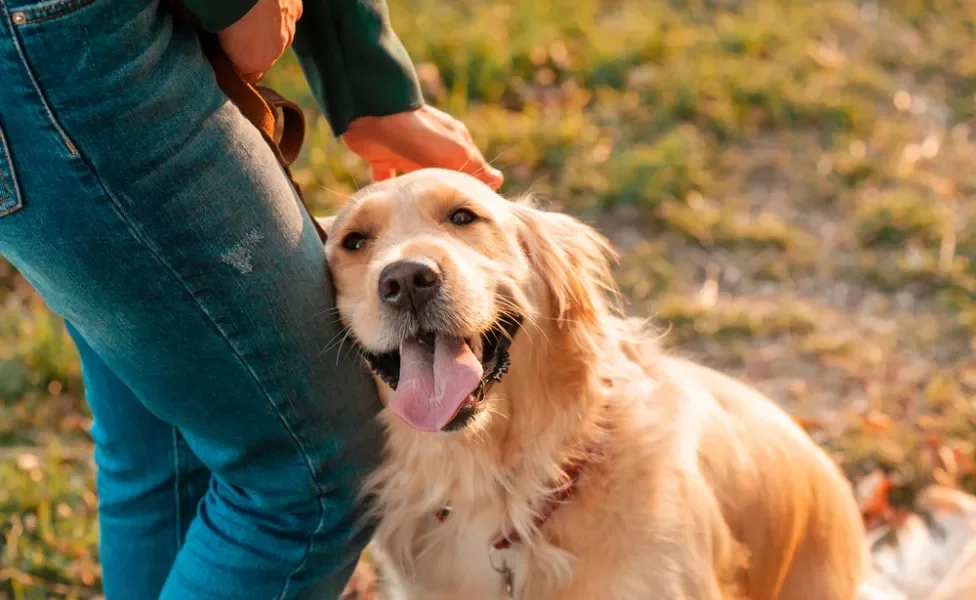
<point>683,551</point>
<point>670,573</point>
<point>625,586</point>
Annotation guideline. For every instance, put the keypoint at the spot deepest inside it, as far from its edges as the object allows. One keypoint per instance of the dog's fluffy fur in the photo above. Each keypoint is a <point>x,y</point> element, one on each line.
<point>701,488</point>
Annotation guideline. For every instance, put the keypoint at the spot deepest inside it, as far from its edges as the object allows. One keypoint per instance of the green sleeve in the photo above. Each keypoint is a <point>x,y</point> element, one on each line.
<point>354,63</point>
<point>214,15</point>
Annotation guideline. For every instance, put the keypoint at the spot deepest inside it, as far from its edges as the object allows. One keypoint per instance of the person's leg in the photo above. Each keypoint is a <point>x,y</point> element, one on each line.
<point>156,220</point>
<point>149,483</point>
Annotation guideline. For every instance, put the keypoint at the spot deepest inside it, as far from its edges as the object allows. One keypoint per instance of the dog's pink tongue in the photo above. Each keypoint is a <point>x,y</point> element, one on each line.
<point>434,383</point>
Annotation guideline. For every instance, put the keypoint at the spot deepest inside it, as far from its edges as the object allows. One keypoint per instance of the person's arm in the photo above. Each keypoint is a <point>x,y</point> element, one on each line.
<point>358,71</point>
<point>214,15</point>
<point>354,62</point>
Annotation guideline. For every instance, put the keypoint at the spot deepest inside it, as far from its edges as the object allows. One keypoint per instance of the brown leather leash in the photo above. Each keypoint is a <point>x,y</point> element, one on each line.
<point>280,121</point>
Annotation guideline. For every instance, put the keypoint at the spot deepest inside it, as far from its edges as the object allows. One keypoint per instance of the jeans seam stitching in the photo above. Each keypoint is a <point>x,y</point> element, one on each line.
<point>309,547</point>
<point>37,87</point>
<point>12,192</point>
<point>129,225</point>
<point>176,489</point>
<point>5,157</point>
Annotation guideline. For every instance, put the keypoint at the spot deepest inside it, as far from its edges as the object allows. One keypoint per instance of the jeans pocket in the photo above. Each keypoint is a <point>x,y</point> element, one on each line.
<point>45,11</point>
<point>10,199</point>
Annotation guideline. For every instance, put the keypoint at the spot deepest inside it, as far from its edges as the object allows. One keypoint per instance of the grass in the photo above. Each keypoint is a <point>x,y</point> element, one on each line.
<point>791,185</point>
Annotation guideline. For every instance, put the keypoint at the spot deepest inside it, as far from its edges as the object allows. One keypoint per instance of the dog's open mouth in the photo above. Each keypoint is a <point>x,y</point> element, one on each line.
<point>439,381</point>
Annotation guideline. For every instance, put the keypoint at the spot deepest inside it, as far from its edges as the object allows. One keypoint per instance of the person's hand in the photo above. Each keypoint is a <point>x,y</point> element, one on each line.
<point>258,39</point>
<point>416,139</point>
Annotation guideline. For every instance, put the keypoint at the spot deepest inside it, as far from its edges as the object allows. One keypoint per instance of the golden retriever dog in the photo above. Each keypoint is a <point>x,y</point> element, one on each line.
<point>539,443</point>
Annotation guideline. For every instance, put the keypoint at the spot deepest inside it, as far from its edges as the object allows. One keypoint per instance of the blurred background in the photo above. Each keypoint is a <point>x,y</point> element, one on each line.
<point>791,184</point>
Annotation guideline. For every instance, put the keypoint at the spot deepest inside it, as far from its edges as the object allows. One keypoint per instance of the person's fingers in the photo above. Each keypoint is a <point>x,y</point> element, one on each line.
<point>427,147</point>
<point>467,134</point>
<point>486,173</point>
<point>492,177</point>
<point>447,151</point>
<point>489,175</point>
<point>253,78</point>
<point>382,172</point>
<point>475,165</point>
<point>258,39</point>
<point>387,169</point>
<point>459,128</point>
<point>434,139</point>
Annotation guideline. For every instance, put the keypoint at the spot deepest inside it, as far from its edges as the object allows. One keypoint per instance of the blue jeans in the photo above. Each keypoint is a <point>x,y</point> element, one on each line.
<point>232,433</point>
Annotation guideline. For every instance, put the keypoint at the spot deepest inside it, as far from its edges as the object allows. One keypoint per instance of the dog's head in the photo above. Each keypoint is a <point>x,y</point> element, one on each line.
<point>435,277</point>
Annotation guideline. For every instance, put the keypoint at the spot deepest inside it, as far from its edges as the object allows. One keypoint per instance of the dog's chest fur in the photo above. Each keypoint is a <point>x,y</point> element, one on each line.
<point>454,558</point>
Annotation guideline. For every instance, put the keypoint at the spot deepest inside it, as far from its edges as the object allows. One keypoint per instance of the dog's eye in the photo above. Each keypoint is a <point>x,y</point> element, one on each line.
<point>463,216</point>
<point>354,241</point>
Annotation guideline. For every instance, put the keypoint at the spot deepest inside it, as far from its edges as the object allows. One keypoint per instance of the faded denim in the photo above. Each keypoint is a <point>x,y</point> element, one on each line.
<point>231,438</point>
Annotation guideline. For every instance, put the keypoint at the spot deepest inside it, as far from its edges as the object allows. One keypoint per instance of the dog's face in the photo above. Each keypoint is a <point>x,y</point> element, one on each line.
<point>435,274</point>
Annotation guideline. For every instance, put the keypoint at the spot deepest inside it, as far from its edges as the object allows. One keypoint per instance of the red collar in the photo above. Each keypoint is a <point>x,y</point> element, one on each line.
<point>573,471</point>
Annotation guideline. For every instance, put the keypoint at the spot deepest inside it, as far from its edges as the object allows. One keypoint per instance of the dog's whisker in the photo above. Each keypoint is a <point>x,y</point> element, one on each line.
<point>496,413</point>
<point>344,333</point>
<point>326,313</point>
<point>527,322</point>
<point>328,344</point>
<point>489,163</point>
<point>336,192</point>
<point>528,319</point>
<point>341,342</point>
<point>353,350</point>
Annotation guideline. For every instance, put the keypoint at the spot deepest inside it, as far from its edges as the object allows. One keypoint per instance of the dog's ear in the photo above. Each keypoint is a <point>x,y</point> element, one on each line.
<point>574,262</point>
<point>325,223</point>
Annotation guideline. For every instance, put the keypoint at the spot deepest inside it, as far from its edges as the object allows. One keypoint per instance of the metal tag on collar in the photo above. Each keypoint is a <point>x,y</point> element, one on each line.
<point>501,566</point>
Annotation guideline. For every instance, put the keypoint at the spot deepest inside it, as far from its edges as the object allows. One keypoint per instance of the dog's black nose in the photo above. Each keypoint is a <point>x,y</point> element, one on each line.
<point>409,284</point>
